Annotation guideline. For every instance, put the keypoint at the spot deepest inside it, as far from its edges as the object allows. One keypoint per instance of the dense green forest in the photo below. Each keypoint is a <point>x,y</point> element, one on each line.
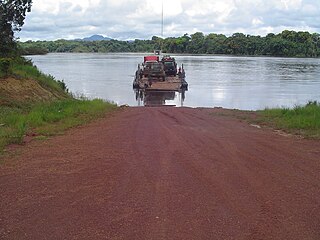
<point>285,44</point>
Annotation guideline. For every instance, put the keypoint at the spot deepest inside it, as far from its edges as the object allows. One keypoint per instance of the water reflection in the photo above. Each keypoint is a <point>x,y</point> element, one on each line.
<point>159,98</point>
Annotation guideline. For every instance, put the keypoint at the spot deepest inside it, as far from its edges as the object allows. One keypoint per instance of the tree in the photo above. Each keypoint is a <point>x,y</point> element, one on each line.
<point>12,16</point>
<point>215,44</point>
<point>196,43</point>
<point>182,43</point>
<point>237,43</point>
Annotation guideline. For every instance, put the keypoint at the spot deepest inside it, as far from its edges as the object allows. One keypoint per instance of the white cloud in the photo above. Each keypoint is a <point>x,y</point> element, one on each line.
<point>289,4</point>
<point>151,8</point>
<point>257,21</point>
<point>129,19</point>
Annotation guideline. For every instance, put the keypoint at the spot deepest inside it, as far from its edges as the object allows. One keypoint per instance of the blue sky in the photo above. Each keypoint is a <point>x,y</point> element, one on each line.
<point>131,19</point>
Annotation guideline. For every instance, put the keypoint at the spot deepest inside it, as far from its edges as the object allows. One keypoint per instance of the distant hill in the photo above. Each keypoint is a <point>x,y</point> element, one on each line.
<point>94,38</point>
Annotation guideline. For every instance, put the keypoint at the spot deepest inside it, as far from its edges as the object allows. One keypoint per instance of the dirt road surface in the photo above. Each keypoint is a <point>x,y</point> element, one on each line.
<point>163,173</point>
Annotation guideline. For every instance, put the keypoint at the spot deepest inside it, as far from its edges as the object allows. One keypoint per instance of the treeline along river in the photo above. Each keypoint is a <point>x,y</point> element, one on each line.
<point>247,83</point>
<point>285,44</point>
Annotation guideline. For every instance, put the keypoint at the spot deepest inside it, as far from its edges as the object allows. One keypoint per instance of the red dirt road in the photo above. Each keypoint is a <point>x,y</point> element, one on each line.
<point>163,173</point>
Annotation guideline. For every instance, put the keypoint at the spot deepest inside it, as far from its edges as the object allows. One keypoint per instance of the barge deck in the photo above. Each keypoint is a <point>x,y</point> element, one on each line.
<point>171,83</point>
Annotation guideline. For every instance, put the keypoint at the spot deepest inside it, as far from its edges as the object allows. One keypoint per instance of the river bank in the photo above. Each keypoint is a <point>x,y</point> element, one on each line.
<point>35,104</point>
<point>302,121</point>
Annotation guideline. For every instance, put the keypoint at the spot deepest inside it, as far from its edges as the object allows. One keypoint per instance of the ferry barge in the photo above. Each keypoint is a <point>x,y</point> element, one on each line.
<point>156,74</point>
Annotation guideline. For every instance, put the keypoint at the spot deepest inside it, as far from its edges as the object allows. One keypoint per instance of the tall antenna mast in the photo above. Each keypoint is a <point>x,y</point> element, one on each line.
<point>162,21</point>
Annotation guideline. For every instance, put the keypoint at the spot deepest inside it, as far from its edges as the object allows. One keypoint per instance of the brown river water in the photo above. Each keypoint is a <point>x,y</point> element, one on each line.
<point>247,83</point>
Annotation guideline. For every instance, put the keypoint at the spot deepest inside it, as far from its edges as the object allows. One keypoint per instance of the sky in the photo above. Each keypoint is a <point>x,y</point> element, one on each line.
<point>141,19</point>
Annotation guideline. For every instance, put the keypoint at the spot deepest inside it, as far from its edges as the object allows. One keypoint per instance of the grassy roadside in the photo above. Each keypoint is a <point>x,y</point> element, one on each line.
<point>32,103</point>
<point>47,119</point>
<point>22,84</point>
<point>302,120</point>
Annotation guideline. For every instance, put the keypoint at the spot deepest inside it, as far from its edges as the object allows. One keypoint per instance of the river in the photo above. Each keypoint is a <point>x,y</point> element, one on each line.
<point>246,83</point>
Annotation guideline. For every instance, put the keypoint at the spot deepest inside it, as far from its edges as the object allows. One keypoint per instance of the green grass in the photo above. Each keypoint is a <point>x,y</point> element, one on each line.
<point>25,69</point>
<point>46,119</point>
<point>304,120</point>
<point>22,68</point>
<point>43,117</point>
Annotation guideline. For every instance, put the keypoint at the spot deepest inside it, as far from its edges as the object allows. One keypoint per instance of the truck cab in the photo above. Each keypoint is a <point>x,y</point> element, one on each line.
<point>170,66</point>
<point>153,69</point>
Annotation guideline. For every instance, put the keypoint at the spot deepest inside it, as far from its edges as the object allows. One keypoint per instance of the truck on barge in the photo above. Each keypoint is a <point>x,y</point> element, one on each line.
<point>156,74</point>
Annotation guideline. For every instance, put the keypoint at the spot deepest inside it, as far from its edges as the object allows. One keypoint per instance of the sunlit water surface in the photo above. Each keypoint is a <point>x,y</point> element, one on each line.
<point>247,83</point>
